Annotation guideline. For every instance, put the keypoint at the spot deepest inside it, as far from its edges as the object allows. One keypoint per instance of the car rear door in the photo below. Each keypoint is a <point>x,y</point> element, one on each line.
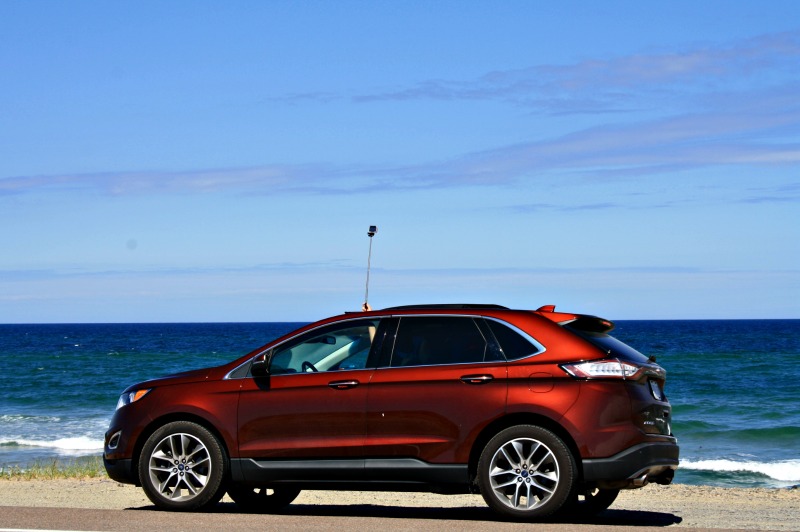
<point>439,383</point>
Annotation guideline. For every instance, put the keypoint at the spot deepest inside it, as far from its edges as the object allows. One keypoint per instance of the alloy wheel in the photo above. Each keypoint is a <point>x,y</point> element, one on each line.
<point>523,473</point>
<point>179,467</point>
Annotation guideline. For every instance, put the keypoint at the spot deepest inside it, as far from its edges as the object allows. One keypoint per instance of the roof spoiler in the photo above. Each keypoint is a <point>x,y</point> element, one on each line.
<point>581,322</point>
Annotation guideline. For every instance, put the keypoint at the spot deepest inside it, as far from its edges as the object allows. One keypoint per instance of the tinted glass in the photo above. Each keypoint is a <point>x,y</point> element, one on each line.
<point>615,348</point>
<point>338,347</point>
<point>427,341</point>
<point>513,344</point>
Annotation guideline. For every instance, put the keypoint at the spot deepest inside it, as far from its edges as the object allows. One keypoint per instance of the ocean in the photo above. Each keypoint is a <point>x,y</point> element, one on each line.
<point>734,386</point>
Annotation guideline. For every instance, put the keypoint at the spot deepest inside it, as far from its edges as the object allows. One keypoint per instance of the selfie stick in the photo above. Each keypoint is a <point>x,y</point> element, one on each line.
<point>372,230</point>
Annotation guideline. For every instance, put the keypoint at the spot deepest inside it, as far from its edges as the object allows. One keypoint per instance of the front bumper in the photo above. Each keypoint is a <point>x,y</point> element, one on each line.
<point>634,467</point>
<point>121,471</point>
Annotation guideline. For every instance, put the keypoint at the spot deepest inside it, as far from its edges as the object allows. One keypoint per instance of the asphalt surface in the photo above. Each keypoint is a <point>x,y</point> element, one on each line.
<point>312,517</point>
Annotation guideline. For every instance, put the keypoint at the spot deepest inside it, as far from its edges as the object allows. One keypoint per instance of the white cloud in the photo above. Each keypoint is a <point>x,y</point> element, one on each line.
<point>713,118</point>
<point>613,84</point>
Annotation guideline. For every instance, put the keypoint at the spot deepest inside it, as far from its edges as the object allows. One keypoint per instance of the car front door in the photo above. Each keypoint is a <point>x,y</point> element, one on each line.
<point>312,404</point>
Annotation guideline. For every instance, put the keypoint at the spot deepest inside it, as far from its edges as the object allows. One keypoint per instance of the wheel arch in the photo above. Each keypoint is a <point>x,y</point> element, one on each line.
<point>159,422</point>
<point>511,420</point>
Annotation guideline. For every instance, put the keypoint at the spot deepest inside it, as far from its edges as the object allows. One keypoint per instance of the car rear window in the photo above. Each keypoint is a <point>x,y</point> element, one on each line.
<point>513,343</point>
<point>613,347</point>
<point>434,340</point>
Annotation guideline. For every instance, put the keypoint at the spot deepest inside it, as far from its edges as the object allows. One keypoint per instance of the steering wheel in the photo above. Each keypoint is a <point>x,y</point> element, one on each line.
<point>308,366</point>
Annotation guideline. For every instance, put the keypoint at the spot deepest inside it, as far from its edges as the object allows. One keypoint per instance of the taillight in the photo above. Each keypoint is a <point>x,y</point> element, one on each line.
<point>604,369</point>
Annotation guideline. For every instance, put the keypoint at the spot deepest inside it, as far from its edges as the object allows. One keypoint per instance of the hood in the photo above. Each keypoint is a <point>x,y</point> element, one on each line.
<point>184,377</point>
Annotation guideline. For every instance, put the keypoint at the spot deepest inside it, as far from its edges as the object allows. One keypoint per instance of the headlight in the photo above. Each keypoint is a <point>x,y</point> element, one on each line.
<point>131,397</point>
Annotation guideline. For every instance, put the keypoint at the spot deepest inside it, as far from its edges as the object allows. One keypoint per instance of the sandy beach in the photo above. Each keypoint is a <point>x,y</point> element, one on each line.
<point>677,506</point>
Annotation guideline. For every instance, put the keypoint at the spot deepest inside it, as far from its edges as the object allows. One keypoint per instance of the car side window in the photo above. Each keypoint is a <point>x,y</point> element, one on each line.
<point>336,347</point>
<point>432,340</point>
<point>513,343</point>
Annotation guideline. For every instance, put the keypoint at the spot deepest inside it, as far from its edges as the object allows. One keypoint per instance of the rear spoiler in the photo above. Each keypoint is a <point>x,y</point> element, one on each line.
<point>580,322</point>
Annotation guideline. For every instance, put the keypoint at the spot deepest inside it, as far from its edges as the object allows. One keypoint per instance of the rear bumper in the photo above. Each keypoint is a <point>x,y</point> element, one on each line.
<point>634,467</point>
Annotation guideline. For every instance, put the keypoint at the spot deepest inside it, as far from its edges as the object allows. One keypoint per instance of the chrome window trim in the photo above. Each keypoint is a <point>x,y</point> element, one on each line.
<point>300,374</point>
<point>490,363</point>
<point>541,348</point>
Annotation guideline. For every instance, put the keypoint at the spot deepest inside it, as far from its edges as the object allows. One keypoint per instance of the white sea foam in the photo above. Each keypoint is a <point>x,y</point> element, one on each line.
<point>786,470</point>
<point>11,418</point>
<point>80,443</point>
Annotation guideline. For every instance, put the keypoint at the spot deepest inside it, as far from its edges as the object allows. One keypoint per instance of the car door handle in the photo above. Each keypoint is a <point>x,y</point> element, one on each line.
<point>476,379</point>
<point>343,385</point>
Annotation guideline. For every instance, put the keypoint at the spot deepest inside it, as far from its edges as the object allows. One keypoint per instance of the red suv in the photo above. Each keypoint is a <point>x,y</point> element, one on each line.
<point>538,411</point>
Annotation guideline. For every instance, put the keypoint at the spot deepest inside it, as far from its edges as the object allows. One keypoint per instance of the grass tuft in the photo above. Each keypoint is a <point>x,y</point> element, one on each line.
<point>83,467</point>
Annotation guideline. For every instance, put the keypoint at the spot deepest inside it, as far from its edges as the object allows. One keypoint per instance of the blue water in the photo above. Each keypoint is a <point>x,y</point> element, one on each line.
<point>734,386</point>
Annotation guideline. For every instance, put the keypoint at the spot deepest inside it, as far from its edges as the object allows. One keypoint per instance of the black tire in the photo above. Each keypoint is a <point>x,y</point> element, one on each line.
<point>182,467</point>
<point>256,499</point>
<point>526,472</point>
<point>587,503</point>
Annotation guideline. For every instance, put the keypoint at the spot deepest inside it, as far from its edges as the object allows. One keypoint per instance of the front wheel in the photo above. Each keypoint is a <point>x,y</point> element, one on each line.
<point>182,467</point>
<point>255,499</point>
<point>526,472</point>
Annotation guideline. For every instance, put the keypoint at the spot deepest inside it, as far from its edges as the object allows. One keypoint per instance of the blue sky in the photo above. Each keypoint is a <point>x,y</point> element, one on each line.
<point>222,161</point>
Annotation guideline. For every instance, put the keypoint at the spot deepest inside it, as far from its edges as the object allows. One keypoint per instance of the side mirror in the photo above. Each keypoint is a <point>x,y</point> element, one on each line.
<point>260,366</point>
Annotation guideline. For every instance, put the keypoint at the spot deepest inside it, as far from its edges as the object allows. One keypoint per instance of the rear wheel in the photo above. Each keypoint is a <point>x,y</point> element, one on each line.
<point>526,472</point>
<point>182,467</point>
<point>255,499</point>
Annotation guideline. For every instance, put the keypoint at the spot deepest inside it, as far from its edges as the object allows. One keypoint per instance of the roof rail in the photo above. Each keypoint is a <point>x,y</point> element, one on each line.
<point>448,306</point>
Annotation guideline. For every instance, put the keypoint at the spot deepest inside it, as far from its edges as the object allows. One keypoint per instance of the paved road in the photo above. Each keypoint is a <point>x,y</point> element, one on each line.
<point>310,517</point>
